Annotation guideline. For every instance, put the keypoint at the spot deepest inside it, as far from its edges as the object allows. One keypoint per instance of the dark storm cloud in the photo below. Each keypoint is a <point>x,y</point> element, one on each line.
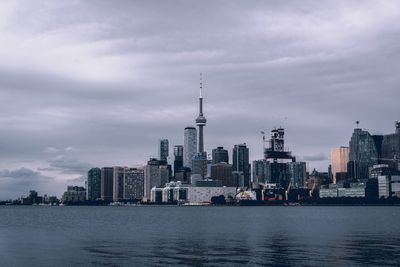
<point>108,79</point>
<point>18,182</point>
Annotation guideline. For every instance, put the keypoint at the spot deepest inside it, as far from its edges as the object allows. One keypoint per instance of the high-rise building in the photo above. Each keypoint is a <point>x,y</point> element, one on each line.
<point>297,173</point>
<point>163,150</point>
<point>261,172</point>
<point>278,165</point>
<point>223,171</point>
<point>93,184</point>
<point>390,149</point>
<point>178,158</point>
<point>189,146</point>
<point>156,174</point>
<point>133,183</point>
<point>220,154</point>
<point>201,120</point>
<point>107,174</point>
<point>240,160</point>
<point>199,165</point>
<point>339,161</point>
<point>363,154</point>
<point>118,183</point>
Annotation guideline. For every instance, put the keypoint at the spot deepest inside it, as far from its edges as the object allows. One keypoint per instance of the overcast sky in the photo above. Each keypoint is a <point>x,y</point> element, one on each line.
<point>98,83</point>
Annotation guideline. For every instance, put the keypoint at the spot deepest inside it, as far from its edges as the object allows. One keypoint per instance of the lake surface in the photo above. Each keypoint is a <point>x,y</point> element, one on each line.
<point>199,236</point>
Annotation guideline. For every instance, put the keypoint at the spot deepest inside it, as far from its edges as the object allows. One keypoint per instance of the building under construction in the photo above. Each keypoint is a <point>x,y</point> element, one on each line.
<point>278,166</point>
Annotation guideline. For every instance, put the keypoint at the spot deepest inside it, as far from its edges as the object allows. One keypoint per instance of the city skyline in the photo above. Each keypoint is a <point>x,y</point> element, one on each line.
<point>84,91</point>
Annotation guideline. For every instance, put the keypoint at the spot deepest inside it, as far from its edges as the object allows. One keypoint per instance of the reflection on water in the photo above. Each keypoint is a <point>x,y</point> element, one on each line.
<point>199,236</point>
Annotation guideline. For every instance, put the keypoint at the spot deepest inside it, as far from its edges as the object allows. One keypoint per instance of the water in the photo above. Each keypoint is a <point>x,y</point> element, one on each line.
<point>199,236</point>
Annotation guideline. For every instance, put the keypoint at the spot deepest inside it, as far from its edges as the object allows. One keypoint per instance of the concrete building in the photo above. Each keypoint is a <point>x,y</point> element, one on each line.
<point>163,150</point>
<point>388,180</point>
<point>107,174</point>
<point>94,184</point>
<point>74,194</point>
<point>240,160</point>
<point>189,146</point>
<point>354,191</point>
<point>223,171</point>
<point>133,184</point>
<point>155,175</point>
<point>177,192</point>
<point>118,183</point>
<point>328,192</point>
<point>339,161</point>
<point>220,154</point>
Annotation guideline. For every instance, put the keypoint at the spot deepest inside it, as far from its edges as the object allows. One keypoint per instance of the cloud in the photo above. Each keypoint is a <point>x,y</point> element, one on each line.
<point>14,183</point>
<point>316,157</point>
<point>68,165</point>
<point>50,150</point>
<point>23,175</point>
<point>87,81</point>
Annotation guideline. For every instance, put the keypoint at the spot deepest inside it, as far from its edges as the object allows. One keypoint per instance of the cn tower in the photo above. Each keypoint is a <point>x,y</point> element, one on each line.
<point>201,120</point>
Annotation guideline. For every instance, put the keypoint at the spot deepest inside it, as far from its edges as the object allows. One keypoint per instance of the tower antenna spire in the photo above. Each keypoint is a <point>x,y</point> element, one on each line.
<point>201,84</point>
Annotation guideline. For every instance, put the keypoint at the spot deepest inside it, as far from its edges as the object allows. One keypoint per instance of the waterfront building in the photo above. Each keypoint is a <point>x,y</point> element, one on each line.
<point>74,194</point>
<point>163,150</point>
<point>222,171</point>
<point>240,160</point>
<point>189,146</point>
<point>339,161</point>
<point>387,179</point>
<point>133,184</point>
<point>220,154</point>
<point>278,165</point>
<point>107,174</point>
<point>353,190</point>
<point>93,184</point>
<point>118,183</point>
<point>178,192</point>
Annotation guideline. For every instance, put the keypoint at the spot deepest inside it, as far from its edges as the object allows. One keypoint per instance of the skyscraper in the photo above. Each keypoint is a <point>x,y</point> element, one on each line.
<point>93,184</point>
<point>339,161</point>
<point>118,183</point>
<point>240,160</point>
<point>199,166</point>
<point>163,150</point>
<point>189,146</point>
<point>201,120</point>
<point>297,173</point>
<point>178,158</point>
<point>220,154</point>
<point>156,174</point>
<point>223,171</point>
<point>107,183</point>
<point>363,154</point>
<point>133,183</point>
<point>391,148</point>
